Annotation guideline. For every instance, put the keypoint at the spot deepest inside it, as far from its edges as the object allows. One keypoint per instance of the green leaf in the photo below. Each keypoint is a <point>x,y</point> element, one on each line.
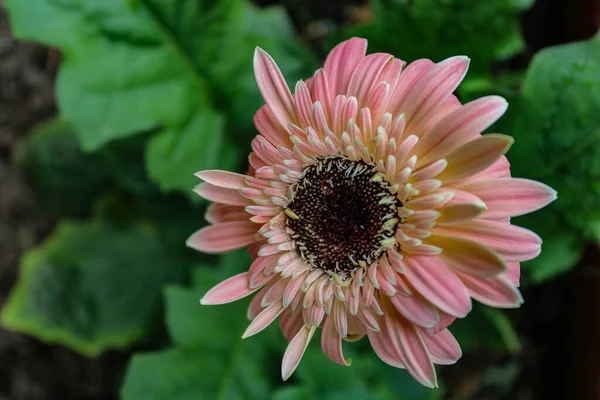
<point>485,330</point>
<point>562,247</point>
<point>437,29</point>
<point>172,156</point>
<point>160,66</point>
<point>91,286</point>
<point>209,359</point>
<point>292,393</point>
<point>65,180</point>
<point>557,131</point>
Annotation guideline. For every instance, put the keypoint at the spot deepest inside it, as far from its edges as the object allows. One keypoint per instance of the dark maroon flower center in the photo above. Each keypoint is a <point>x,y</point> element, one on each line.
<point>342,214</point>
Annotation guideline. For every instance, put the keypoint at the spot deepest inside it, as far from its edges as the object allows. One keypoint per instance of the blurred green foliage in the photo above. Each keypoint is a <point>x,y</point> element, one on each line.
<point>556,125</point>
<point>151,91</point>
<point>92,285</point>
<point>437,29</point>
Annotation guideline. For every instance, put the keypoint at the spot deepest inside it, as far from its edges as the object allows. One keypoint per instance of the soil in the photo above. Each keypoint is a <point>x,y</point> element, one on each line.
<point>558,351</point>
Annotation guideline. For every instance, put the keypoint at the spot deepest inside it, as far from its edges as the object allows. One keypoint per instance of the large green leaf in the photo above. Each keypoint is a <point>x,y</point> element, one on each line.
<point>209,359</point>
<point>562,248</point>
<point>162,66</point>
<point>91,286</point>
<point>170,161</point>
<point>437,29</point>
<point>557,129</point>
<point>65,180</point>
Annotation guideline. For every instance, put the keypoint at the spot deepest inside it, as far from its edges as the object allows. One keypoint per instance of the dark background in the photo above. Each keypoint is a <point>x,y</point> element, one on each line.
<point>559,325</point>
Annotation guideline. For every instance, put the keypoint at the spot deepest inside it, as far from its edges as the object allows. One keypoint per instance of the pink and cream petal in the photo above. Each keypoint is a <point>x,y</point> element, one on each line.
<point>511,242</point>
<point>442,346</point>
<point>229,290</point>
<point>439,284</point>
<point>510,197</point>
<point>331,343</point>
<point>342,61</point>
<point>475,156</point>
<point>273,87</point>
<point>496,291</point>
<point>295,351</point>
<point>460,127</point>
<point>469,256</point>
<point>224,237</point>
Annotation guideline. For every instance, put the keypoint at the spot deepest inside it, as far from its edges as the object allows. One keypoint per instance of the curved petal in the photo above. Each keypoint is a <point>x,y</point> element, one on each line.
<point>512,242</point>
<point>264,319</point>
<point>331,343</point>
<point>475,156</point>
<point>229,290</point>
<point>295,351</point>
<point>409,345</point>
<point>223,237</point>
<point>461,126</point>
<point>432,89</point>
<point>497,291</point>
<point>469,256</point>
<point>224,179</point>
<point>442,346</point>
<point>341,62</point>
<point>407,79</point>
<point>366,76</point>
<point>510,197</point>
<point>416,309</point>
<point>217,213</point>
<point>273,87</point>
<point>268,126</point>
<point>438,284</point>
<point>221,195</point>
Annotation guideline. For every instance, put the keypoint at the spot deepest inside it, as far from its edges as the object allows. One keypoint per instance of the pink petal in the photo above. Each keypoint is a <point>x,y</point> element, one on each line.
<point>223,237</point>
<point>295,351</point>
<point>381,345</point>
<point>407,79</point>
<point>411,348</point>
<point>217,213</point>
<point>224,179</point>
<point>445,321</point>
<point>331,343</point>
<point>443,347</point>
<point>221,195</point>
<point>461,126</point>
<point>432,89</point>
<point>416,309</point>
<point>273,87</point>
<point>342,61</point>
<point>510,197</point>
<point>513,272</point>
<point>513,243</point>
<point>229,290</point>
<point>475,156</point>
<point>340,318</point>
<point>290,323</point>
<point>438,284</point>
<point>495,292</point>
<point>255,306</point>
<point>321,92</point>
<point>499,169</point>
<point>269,127</point>
<point>469,256</point>
<point>292,289</point>
<point>366,76</point>
<point>461,207</point>
<point>264,319</point>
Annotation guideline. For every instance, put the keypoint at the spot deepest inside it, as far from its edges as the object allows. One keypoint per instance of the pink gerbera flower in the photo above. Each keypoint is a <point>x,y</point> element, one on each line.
<point>373,206</point>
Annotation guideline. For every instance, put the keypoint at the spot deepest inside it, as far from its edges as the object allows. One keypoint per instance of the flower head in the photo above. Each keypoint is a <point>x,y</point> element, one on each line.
<point>373,206</point>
